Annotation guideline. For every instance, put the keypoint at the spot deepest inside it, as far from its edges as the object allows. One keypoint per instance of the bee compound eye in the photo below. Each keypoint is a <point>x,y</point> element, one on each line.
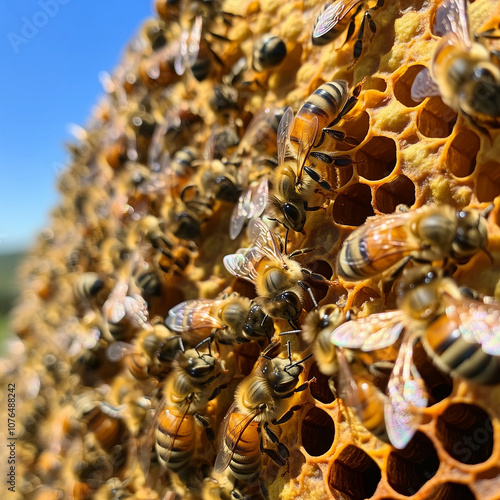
<point>293,216</point>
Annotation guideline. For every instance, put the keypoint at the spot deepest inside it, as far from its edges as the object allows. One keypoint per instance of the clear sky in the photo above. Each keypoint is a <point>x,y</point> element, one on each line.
<point>51,52</point>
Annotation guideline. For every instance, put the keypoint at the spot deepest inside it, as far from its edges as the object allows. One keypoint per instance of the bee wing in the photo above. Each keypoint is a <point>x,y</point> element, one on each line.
<point>239,214</point>
<point>259,198</point>
<point>192,315</point>
<point>114,308</point>
<point>451,18</point>
<point>331,16</point>
<point>255,131</point>
<point>284,129</point>
<point>348,389</point>
<point>263,240</point>
<point>180,61</point>
<point>478,323</point>
<point>306,142</point>
<point>376,331</point>
<point>424,86</point>
<point>225,450</point>
<point>193,46</point>
<point>241,265</point>
<point>407,395</point>
<point>136,308</point>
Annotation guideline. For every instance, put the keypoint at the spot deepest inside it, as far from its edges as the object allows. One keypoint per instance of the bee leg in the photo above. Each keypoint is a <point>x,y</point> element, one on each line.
<point>310,209</point>
<point>340,136</point>
<point>316,177</point>
<point>205,423</point>
<point>352,24</point>
<point>275,457</point>
<point>300,251</point>
<point>217,391</point>
<point>307,288</point>
<point>316,277</point>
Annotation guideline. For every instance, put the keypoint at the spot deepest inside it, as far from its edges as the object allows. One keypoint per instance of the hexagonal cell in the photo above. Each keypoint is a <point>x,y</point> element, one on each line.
<point>377,158</point>
<point>375,83</point>
<point>451,491</point>
<point>488,182</point>
<point>354,475</point>
<point>320,390</point>
<point>400,190</point>
<point>402,87</point>
<point>317,431</point>
<point>409,469</point>
<point>353,206</point>
<point>439,385</point>
<point>461,155</point>
<point>466,432</point>
<point>436,120</point>
<point>356,127</point>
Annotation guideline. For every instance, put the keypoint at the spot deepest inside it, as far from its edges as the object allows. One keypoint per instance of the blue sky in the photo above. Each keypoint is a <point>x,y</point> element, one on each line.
<point>51,53</point>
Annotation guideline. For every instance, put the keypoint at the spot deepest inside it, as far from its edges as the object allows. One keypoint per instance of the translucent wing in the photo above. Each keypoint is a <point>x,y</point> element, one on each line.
<point>259,130</point>
<point>193,315</point>
<point>331,16</point>
<point>424,86</point>
<point>284,129</point>
<point>231,430</point>
<point>306,142</point>
<point>259,198</point>
<point>406,396</point>
<point>347,387</point>
<point>240,213</point>
<point>478,323</point>
<point>451,18</point>
<point>113,308</point>
<point>136,308</point>
<point>182,54</point>
<point>264,241</point>
<point>193,46</point>
<point>242,265</point>
<point>376,331</point>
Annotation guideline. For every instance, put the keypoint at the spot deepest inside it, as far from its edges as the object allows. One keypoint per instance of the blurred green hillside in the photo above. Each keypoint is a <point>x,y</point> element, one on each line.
<point>8,286</point>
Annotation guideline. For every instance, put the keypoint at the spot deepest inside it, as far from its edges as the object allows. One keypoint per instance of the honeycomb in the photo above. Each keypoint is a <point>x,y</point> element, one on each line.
<point>191,113</point>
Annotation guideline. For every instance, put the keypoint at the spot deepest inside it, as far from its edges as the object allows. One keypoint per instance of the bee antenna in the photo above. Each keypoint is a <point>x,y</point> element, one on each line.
<point>299,362</point>
<point>286,239</point>
<point>290,332</point>
<point>208,341</point>
<point>487,210</point>
<point>289,351</point>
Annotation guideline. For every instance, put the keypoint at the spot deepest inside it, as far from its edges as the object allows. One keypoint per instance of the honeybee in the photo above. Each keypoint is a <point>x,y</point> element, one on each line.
<point>348,377</point>
<point>193,382</point>
<point>429,233</point>
<point>460,336</point>
<point>261,399</point>
<point>269,51</point>
<point>260,136</point>
<point>277,278</point>
<point>232,319</point>
<point>329,103</point>
<point>334,19</point>
<point>462,71</point>
<point>88,285</point>
<point>151,354</point>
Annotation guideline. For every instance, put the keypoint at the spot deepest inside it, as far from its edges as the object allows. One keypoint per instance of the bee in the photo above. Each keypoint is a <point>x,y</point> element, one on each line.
<point>151,354</point>
<point>261,399</point>
<point>459,334</point>
<point>462,71</point>
<point>329,103</point>
<point>277,278</point>
<point>260,136</point>
<point>352,382</point>
<point>88,285</point>
<point>334,19</point>
<point>429,233</point>
<point>113,489</point>
<point>268,52</point>
<point>232,319</point>
<point>193,382</point>
<point>168,10</point>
